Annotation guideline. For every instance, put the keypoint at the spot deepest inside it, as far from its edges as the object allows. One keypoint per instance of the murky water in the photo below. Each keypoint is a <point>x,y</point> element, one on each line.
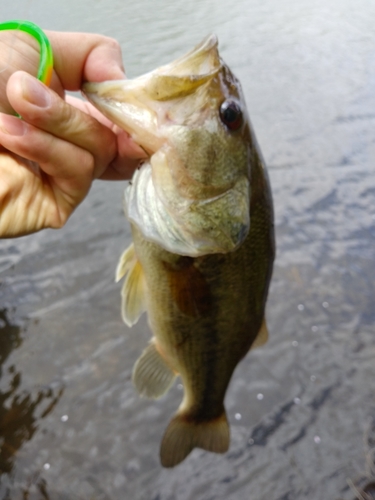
<point>301,408</point>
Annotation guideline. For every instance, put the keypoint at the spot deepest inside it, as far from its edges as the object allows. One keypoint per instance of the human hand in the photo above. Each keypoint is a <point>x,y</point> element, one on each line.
<point>49,159</point>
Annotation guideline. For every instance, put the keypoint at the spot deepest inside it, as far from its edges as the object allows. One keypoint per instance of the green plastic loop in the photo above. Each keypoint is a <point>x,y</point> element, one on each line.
<point>45,68</point>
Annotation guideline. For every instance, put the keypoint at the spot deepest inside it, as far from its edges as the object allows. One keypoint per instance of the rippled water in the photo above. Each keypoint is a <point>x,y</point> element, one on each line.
<point>302,408</point>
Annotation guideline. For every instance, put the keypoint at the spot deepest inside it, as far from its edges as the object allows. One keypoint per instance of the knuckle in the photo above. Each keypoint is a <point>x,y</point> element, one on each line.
<point>75,126</point>
<point>60,219</point>
<point>86,164</point>
<point>96,141</point>
<point>106,42</point>
<point>36,147</point>
<point>66,117</point>
<point>112,43</point>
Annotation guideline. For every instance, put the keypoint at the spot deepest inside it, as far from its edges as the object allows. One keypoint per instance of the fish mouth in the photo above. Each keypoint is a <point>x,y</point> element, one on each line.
<point>140,105</point>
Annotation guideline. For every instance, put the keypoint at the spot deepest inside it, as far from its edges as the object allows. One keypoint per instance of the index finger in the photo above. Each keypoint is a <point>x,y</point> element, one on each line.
<point>83,57</point>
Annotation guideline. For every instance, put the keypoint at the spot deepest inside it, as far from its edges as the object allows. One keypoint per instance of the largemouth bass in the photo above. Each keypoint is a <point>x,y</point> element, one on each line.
<point>201,215</point>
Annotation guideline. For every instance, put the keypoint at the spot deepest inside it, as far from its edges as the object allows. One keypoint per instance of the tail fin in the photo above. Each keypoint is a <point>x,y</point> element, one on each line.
<point>183,435</point>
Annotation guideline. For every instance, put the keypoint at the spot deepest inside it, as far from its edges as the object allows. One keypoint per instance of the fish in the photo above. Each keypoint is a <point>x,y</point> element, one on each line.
<point>201,215</point>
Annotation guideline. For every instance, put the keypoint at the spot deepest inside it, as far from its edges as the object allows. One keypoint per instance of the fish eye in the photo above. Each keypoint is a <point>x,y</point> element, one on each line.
<point>231,114</point>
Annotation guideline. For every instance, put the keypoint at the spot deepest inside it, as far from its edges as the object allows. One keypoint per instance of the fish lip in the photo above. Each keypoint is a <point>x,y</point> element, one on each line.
<point>202,60</point>
<point>138,120</point>
<point>205,46</point>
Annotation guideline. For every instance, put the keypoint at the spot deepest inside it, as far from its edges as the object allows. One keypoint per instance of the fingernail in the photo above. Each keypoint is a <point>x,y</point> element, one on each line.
<point>12,125</point>
<point>35,92</point>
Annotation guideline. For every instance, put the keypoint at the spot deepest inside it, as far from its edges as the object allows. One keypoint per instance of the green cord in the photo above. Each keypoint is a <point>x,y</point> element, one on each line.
<point>45,68</point>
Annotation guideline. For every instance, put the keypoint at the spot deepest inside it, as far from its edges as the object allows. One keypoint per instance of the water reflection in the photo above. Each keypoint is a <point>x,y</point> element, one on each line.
<point>20,411</point>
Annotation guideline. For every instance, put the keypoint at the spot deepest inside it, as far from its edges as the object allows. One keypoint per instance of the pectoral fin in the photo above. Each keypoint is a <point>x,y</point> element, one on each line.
<point>126,262</point>
<point>152,377</point>
<point>134,288</point>
<point>262,336</point>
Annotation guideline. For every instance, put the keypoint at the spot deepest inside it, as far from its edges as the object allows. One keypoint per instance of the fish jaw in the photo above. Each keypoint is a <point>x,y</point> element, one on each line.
<point>116,100</point>
<point>138,105</point>
<point>198,194</point>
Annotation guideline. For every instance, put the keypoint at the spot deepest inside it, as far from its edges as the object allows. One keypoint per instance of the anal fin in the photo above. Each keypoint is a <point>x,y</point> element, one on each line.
<point>152,377</point>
